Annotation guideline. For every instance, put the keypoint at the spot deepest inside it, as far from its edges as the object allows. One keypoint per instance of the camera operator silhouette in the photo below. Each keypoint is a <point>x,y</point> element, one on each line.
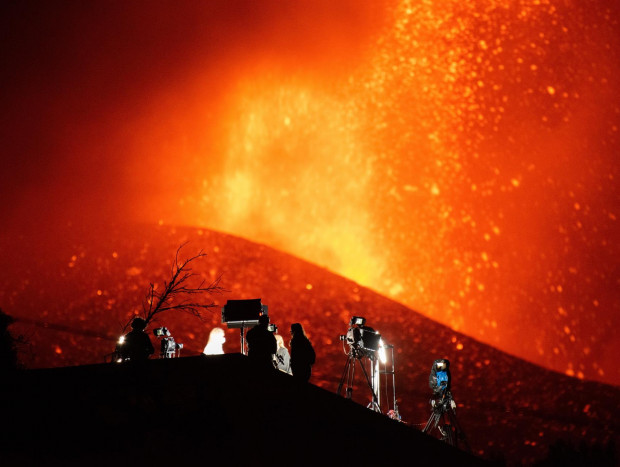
<point>302,353</point>
<point>262,344</point>
<point>137,346</point>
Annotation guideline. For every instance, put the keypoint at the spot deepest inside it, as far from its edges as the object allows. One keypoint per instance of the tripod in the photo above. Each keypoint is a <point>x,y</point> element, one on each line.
<point>443,418</point>
<point>355,353</point>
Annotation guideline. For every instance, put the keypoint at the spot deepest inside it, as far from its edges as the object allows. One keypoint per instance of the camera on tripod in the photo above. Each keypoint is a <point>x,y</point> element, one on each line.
<point>169,348</point>
<point>363,342</point>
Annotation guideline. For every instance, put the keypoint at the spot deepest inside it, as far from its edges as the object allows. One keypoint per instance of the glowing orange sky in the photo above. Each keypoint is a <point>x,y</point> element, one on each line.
<point>457,157</point>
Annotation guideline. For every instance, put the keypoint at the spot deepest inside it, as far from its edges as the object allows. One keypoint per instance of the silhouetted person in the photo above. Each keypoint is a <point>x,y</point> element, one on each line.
<point>282,356</point>
<point>439,380</point>
<point>302,353</point>
<point>262,344</point>
<point>137,345</point>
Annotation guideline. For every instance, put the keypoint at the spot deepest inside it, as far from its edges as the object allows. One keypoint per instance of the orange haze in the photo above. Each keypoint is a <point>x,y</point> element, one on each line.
<point>459,157</point>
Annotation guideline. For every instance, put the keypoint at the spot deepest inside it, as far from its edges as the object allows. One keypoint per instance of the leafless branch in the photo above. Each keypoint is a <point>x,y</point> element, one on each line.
<point>178,293</point>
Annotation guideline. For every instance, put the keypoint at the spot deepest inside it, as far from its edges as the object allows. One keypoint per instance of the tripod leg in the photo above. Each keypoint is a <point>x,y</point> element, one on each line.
<point>459,434</point>
<point>375,403</point>
<point>351,379</point>
<point>430,421</point>
<point>445,429</point>
<point>447,434</point>
<point>345,374</point>
<point>438,418</point>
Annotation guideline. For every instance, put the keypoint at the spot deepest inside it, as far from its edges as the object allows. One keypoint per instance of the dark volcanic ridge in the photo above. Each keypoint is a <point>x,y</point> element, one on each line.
<point>72,288</point>
<point>188,410</point>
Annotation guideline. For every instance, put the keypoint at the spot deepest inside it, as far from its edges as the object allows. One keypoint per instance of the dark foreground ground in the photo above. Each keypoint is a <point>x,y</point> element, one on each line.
<point>196,411</point>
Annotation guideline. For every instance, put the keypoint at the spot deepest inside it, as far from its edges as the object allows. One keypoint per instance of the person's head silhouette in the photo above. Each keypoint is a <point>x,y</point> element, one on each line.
<point>138,324</point>
<point>297,330</point>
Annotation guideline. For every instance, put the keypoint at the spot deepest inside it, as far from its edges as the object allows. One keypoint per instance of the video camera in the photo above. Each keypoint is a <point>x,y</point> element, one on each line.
<point>362,338</point>
<point>161,332</point>
<point>439,378</point>
<point>169,347</point>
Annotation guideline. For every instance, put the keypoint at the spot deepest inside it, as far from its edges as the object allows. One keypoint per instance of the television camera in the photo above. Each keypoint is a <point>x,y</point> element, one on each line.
<point>363,340</point>
<point>169,348</point>
<point>443,407</point>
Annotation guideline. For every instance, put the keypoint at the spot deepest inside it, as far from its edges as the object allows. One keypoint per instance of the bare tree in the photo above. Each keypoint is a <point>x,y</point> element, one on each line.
<point>178,293</point>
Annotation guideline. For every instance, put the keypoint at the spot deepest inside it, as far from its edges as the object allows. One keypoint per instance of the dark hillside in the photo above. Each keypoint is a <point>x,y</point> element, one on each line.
<point>197,410</point>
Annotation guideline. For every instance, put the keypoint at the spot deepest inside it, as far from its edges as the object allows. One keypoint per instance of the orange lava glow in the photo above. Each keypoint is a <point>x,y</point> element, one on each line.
<point>459,157</point>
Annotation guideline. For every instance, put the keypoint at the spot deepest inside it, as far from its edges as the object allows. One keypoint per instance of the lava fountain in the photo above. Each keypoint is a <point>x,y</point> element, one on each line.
<point>457,157</point>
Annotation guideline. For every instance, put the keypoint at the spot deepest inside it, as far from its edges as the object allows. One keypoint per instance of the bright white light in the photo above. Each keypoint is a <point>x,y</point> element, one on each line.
<point>121,340</point>
<point>381,351</point>
<point>216,341</point>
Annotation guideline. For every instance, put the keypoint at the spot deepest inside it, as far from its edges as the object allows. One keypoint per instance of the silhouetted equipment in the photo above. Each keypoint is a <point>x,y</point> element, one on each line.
<point>169,348</point>
<point>242,314</point>
<point>443,418</point>
<point>443,407</point>
<point>390,383</point>
<point>186,410</point>
<point>363,342</point>
<point>361,336</point>
<point>439,380</point>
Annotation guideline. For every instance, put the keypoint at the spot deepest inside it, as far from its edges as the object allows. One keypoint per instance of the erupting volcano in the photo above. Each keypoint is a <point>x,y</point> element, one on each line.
<point>457,158</point>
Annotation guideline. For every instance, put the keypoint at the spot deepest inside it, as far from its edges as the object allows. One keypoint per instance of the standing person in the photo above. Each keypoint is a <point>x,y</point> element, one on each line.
<point>302,353</point>
<point>137,345</point>
<point>262,345</point>
<point>282,356</point>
